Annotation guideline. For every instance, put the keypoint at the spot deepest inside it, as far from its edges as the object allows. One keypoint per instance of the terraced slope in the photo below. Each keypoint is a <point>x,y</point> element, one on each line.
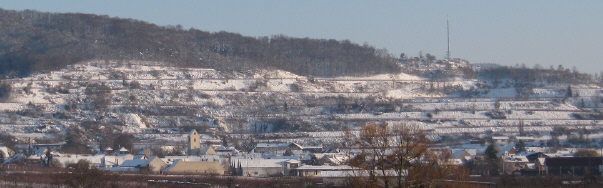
<point>155,101</point>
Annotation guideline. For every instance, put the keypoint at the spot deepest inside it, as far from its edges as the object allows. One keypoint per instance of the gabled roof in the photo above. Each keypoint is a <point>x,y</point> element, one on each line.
<point>181,166</point>
<point>135,163</point>
<point>141,162</point>
<point>208,150</point>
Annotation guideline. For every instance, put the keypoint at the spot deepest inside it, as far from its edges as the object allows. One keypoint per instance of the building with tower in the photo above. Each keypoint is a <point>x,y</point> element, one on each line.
<point>194,143</point>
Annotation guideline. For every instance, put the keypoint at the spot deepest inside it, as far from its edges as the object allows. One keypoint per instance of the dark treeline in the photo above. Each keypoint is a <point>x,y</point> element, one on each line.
<point>522,74</point>
<point>34,41</point>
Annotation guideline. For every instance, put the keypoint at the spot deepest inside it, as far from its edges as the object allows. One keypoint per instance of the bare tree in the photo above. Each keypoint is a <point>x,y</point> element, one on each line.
<point>402,154</point>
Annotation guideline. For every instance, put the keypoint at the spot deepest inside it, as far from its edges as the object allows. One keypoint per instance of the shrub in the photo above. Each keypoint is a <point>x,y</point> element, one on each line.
<point>5,90</point>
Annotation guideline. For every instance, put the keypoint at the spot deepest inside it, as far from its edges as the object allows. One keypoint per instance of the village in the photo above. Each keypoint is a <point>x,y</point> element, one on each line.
<point>517,157</point>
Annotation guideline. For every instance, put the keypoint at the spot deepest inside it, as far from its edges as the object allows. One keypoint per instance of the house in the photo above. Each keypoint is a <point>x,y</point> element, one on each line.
<point>576,166</point>
<point>195,167</point>
<point>123,150</point>
<point>326,158</point>
<point>277,148</point>
<point>108,150</point>
<point>66,159</point>
<point>312,149</point>
<point>153,164</point>
<point>207,150</point>
<point>33,147</point>
<point>533,156</point>
<point>464,155</point>
<point>221,150</point>
<point>144,154</point>
<point>108,161</point>
<point>172,159</point>
<point>514,163</point>
<point>265,167</point>
<point>310,170</point>
<point>155,145</point>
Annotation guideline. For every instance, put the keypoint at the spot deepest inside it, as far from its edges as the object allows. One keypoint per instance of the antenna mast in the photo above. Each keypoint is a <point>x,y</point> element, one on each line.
<point>448,38</point>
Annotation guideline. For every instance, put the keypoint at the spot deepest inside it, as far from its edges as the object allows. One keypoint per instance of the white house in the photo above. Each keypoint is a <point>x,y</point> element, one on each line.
<point>265,167</point>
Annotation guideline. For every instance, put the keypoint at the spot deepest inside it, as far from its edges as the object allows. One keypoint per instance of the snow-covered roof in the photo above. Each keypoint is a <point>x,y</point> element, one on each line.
<point>361,173</point>
<point>516,158</point>
<point>312,147</point>
<point>136,162</point>
<point>265,163</point>
<point>324,167</point>
<point>121,169</point>
<point>272,145</point>
<point>225,149</point>
<point>171,159</point>
<point>72,158</point>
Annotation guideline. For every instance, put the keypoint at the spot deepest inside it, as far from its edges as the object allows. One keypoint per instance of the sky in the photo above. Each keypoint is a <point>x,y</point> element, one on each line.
<point>510,32</point>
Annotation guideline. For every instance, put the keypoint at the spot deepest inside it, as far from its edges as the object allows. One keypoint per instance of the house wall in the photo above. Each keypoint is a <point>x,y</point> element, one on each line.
<point>157,165</point>
<point>262,171</point>
<point>572,170</point>
<point>184,167</point>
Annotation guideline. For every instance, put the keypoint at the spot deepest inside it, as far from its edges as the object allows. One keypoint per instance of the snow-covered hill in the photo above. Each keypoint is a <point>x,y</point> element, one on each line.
<point>154,101</point>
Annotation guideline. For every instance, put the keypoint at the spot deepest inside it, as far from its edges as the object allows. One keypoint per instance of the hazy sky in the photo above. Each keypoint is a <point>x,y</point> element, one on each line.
<point>545,32</point>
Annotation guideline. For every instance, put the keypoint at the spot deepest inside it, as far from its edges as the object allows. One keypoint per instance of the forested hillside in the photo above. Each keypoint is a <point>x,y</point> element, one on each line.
<point>35,41</point>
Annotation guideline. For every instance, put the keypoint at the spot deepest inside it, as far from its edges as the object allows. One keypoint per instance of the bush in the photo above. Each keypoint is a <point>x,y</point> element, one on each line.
<point>5,91</point>
<point>85,176</point>
<point>496,114</point>
<point>8,140</point>
<point>75,142</point>
<point>295,88</point>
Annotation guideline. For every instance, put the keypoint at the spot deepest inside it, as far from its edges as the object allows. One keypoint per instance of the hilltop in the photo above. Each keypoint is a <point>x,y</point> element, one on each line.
<point>36,42</point>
